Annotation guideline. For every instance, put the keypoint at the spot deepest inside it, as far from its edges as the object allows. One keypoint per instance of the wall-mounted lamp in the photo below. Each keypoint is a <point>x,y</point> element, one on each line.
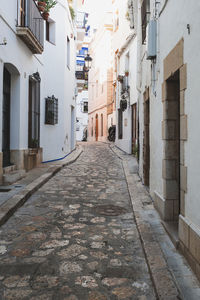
<point>88,62</point>
<point>188,28</point>
<point>4,42</point>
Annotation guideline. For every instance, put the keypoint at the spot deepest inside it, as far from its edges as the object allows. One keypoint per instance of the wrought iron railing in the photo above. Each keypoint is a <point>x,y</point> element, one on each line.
<point>81,75</point>
<point>30,17</point>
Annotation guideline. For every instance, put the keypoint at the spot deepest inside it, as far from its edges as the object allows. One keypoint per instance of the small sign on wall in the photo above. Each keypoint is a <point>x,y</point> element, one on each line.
<point>125,122</point>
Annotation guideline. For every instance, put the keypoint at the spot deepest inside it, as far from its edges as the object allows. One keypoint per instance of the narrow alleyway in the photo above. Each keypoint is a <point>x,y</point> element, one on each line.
<point>76,238</point>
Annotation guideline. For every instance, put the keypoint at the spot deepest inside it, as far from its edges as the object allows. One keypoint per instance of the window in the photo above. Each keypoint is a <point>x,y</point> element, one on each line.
<point>92,132</point>
<point>124,85</point>
<point>97,88</point>
<point>102,88</point>
<point>101,124</point>
<point>85,107</point>
<point>47,31</point>
<point>34,111</point>
<point>116,20</point>
<point>51,31</point>
<point>51,111</point>
<point>22,13</point>
<point>145,13</point>
<point>134,122</point>
<point>68,52</point>
<point>120,124</point>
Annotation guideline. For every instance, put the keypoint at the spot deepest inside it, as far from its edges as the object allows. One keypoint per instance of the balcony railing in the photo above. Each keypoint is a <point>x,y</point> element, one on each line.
<point>81,75</point>
<point>30,26</point>
<point>81,19</point>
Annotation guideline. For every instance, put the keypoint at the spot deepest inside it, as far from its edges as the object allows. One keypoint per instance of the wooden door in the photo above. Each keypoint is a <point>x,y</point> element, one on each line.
<point>97,128</point>
<point>6,118</point>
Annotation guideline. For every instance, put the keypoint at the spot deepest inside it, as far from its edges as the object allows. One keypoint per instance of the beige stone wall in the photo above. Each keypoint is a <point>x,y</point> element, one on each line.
<point>92,125</point>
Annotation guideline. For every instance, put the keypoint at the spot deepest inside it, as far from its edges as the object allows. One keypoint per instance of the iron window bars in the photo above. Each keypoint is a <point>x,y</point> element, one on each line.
<point>51,110</point>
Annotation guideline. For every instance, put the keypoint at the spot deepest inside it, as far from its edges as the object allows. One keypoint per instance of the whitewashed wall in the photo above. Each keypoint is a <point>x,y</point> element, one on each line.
<point>56,79</point>
<point>171,31</point>
<point>80,115</point>
<point>60,82</point>
<point>126,142</point>
<point>23,62</point>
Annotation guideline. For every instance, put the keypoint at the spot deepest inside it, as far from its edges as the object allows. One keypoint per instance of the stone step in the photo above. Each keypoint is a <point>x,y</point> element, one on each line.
<point>13,176</point>
<point>9,169</point>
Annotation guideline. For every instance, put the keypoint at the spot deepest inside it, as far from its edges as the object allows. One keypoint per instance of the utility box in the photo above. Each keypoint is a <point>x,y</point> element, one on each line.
<point>152,39</point>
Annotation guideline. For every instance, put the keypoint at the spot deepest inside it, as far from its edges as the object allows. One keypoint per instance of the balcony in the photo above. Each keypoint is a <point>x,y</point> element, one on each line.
<point>80,24</point>
<point>81,75</point>
<point>30,27</point>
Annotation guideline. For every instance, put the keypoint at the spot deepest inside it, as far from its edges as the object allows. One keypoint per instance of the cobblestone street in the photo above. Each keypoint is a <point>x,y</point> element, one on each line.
<point>76,238</point>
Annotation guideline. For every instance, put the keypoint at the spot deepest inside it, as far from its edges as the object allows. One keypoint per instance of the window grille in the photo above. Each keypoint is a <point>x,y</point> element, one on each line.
<point>120,124</point>
<point>51,111</point>
<point>85,107</point>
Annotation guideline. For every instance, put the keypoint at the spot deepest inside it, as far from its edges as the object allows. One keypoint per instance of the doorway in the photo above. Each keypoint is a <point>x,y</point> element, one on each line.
<point>97,127</point>
<point>34,111</point>
<point>72,128</point>
<point>6,118</point>
<point>134,129</point>
<point>171,131</point>
<point>146,143</point>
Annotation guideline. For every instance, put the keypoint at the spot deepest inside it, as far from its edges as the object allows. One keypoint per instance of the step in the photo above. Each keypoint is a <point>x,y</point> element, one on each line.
<point>9,169</point>
<point>172,230</point>
<point>14,176</point>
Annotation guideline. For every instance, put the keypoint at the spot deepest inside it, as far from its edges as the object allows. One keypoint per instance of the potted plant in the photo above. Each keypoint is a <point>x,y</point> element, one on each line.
<point>49,5</point>
<point>120,78</point>
<point>41,5</point>
<point>126,73</point>
<point>72,12</point>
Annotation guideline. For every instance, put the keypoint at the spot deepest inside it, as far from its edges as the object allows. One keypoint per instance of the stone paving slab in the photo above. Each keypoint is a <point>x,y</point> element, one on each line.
<point>76,237</point>
<point>28,185</point>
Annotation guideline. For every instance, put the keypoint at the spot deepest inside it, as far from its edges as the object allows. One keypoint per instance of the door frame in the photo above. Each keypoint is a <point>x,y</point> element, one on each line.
<point>6,135</point>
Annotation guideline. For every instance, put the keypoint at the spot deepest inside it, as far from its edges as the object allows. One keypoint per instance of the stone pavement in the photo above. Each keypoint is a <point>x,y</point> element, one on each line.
<point>77,238</point>
<point>20,191</point>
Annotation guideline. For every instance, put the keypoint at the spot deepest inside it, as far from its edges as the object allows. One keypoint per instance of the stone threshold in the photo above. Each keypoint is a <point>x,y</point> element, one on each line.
<point>172,230</point>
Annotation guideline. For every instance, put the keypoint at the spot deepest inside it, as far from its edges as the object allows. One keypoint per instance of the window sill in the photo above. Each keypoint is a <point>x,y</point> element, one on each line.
<point>54,44</point>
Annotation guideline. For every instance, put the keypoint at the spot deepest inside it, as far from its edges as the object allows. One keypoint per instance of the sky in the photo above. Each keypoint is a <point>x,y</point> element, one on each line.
<point>96,8</point>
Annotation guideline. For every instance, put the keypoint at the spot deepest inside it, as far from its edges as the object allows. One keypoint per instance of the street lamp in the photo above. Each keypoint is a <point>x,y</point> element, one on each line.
<point>88,62</point>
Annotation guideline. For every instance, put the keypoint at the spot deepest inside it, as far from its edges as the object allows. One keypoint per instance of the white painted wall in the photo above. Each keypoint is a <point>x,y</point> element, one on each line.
<point>59,80</point>
<point>172,26</point>
<point>21,60</point>
<point>56,79</point>
<point>126,142</point>
<point>81,116</point>
<point>171,31</point>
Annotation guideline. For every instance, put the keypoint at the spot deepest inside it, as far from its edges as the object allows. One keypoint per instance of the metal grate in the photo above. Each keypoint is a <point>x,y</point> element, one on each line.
<point>51,111</point>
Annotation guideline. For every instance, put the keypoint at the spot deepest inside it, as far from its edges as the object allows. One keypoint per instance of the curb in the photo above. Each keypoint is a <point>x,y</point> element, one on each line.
<point>8,208</point>
<point>164,285</point>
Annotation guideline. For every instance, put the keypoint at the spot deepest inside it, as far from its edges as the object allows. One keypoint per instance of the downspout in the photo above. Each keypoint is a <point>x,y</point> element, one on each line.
<point>163,8</point>
<point>139,43</point>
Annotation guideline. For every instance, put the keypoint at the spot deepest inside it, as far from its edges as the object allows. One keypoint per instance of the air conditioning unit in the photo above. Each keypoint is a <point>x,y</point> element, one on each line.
<point>152,39</point>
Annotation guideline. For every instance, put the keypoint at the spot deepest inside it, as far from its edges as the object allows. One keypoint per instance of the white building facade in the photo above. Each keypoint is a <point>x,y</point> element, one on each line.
<point>34,66</point>
<point>125,70</point>
<point>167,87</point>
<point>82,115</point>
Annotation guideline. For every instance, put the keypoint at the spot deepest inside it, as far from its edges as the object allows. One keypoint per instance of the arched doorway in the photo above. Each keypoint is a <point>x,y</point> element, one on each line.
<point>10,113</point>
<point>97,127</point>
<point>6,117</point>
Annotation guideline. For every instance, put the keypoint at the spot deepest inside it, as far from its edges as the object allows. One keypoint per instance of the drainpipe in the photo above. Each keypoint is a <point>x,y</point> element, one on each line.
<point>139,43</point>
<point>163,8</point>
